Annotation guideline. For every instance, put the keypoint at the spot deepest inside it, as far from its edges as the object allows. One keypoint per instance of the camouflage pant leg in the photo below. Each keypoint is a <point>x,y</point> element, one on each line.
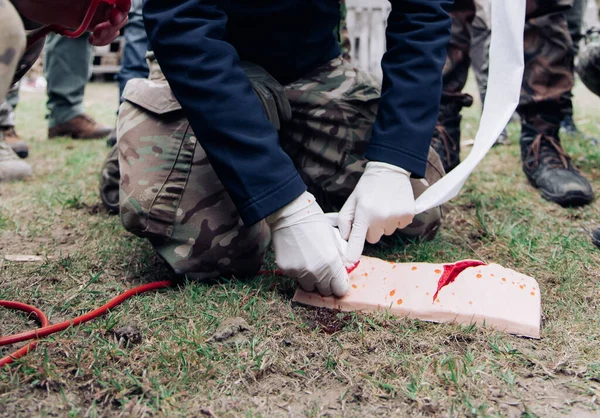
<point>12,44</point>
<point>456,68</point>
<point>170,194</point>
<point>333,111</point>
<point>480,44</point>
<point>548,77</point>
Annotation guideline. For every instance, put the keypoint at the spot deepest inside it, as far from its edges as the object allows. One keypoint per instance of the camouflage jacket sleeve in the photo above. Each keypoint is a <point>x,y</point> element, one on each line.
<point>227,117</point>
<point>417,34</point>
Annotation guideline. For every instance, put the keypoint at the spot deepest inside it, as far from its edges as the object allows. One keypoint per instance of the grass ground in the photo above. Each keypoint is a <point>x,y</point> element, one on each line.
<point>292,361</point>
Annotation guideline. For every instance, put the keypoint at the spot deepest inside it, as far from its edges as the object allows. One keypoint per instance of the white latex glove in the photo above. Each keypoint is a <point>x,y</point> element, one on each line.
<point>306,247</point>
<point>382,202</point>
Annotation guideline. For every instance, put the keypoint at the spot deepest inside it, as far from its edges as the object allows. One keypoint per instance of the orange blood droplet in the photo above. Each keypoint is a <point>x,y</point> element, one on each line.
<point>532,293</point>
<point>438,271</point>
<point>354,286</point>
<point>393,292</point>
<point>521,287</point>
<point>399,302</point>
<point>470,302</point>
<point>414,268</point>
<point>504,279</point>
<point>437,300</point>
<point>479,276</point>
<point>427,294</point>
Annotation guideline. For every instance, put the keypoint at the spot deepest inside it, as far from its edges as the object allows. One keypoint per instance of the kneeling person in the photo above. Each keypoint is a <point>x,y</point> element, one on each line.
<point>216,156</point>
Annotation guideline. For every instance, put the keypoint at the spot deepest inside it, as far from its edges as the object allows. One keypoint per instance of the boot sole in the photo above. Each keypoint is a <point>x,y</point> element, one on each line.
<point>568,200</point>
<point>69,135</point>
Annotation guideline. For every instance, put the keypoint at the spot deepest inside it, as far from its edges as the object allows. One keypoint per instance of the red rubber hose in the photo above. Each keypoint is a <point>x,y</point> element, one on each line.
<point>27,348</point>
<point>48,329</point>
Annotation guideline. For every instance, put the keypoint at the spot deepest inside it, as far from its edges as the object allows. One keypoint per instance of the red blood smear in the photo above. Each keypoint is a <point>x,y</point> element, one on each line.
<point>451,272</point>
<point>352,268</point>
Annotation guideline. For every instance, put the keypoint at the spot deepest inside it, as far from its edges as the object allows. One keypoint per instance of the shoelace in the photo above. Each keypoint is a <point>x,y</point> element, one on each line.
<point>536,150</point>
<point>444,137</point>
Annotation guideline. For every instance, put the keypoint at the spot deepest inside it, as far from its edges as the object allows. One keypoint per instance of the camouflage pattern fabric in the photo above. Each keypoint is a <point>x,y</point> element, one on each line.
<point>170,194</point>
<point>12,44</point>
<point>548,76</point>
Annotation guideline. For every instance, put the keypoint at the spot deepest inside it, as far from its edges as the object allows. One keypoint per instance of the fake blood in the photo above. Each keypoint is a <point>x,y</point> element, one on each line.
<point>451,272</point>
<point>352,268</point>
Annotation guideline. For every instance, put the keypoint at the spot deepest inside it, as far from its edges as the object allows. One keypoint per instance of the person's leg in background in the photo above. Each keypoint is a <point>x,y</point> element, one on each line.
<point>12,46</point>
<point>7,122</point>
<point>446,138</point>
<point>67,67</point>
<point>547,80</point>
<point>574,17</point>
<point>133,63</point>
<point>480,51</point>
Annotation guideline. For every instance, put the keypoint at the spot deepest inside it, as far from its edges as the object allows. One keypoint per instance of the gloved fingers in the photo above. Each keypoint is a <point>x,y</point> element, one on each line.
<point>405,221</point>
<point>324,287</point>
<point>391,225</point>
<point>332,218</point>
<point>340,283</point>
<point>356,241</point>
<point>346,217</point>
<point>333,279</point>
<point>307,285</point>
<point>375,233</point>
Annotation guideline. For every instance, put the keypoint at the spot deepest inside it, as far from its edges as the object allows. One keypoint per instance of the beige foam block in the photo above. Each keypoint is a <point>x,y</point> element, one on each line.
<point>489,295</point>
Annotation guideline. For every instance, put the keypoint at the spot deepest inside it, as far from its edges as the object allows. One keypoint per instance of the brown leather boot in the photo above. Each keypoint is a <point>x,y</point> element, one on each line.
<point>15,142</point>
<point>80,127</point>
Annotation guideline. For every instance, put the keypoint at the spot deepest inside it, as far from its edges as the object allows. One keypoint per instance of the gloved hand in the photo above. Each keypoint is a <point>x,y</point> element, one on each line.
<point>382,202</point>
<point>270,92</point>
<point>306,247</point>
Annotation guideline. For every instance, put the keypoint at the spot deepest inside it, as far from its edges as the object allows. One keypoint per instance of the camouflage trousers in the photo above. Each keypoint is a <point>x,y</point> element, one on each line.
<point>12,44</point>
<point>548,77</point>
<point>170,194</point>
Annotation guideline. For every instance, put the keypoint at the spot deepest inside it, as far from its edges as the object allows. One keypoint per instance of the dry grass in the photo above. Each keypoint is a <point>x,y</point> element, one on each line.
<point>293,361</point>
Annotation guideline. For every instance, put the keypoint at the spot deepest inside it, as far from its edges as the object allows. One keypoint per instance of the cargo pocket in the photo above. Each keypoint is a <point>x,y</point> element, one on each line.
<point>156,150</point>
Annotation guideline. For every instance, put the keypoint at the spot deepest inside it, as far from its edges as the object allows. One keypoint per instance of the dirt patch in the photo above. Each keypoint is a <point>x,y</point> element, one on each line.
<point>326,320</point>
<point>232,331</point>
<point>127,335</point>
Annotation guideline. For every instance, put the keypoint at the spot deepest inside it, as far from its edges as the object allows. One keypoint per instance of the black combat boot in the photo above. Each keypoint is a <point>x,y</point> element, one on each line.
<point>596,237</point>
<point>446,136</point>
<point>548,167</point>
<point>109,181</point>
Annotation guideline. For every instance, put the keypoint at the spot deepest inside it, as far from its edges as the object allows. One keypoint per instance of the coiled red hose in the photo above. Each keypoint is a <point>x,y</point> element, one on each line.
<point>48,329</point>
